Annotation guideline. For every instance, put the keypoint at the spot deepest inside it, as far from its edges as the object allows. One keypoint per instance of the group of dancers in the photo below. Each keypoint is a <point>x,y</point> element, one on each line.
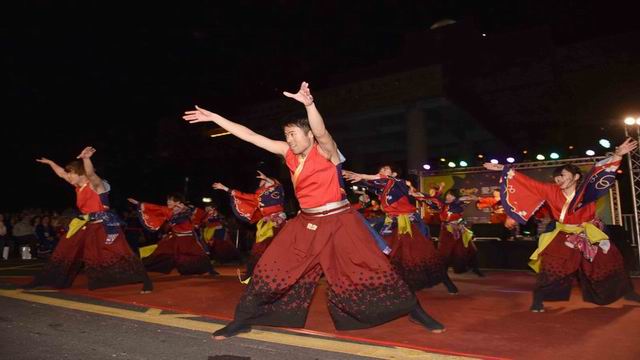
<point>373,265</point>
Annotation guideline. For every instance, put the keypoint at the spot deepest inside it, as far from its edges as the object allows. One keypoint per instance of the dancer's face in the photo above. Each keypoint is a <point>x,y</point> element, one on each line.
<point>449,198</point>
<point>298,141</point>
<point>172,203</point>
<point>566,180</point>
<point>386,171</point>
<point>75,179</point>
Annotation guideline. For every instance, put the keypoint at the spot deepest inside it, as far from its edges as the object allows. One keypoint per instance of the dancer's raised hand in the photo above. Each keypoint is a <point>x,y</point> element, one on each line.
<point>86,153</point>
<point>219,186</point>
<point>352,176</point>
<point>626,147</point>
<point>45,161</point>
<point>303,95</point>
<point>199,115</point>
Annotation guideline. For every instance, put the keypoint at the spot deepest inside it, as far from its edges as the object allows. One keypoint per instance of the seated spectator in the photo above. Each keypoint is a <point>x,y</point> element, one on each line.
<point>46,235</point>
<point>6,242</point>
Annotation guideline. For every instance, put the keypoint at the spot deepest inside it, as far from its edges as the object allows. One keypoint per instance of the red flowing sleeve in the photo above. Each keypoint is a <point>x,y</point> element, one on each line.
<point>245,205</point>
<point>521,195</point>
<point>153,216</point>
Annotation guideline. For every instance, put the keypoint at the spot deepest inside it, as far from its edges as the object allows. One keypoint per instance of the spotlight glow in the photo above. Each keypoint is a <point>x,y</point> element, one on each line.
<point>452,164</point>
<point>494,161</point>
<point>480,156</point>
<point>463,163</point>
<point>540,157</point>
<point>605,143</point>
<point>629,121</point>
<point>443,159</point>
<point>426,166</point>
<point>511,160</point>
<point>590,152</point>
<point>206,200</point>
<point>554,156</point>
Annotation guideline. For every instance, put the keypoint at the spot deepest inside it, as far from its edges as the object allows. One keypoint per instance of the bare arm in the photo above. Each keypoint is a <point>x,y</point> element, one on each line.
<point>355,177</point>
<point>89,170</point>
<point>626,147</point>
<point>269,181</point>
<point>219,186</point>
<point>325,141</point>
<point>240,131</point>
<point>56,168</point>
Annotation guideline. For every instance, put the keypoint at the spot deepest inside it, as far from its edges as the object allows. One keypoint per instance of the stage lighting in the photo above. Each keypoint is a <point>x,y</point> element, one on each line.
<point>554,156</point>
<point>494,161</point>
<point>463,163</point>
<point>630,121</point>
<point>206,200</point>
<point>443,159</point>
<point>511,160</point>
<point>426,166</point>
<point>590,152</point>
<point>540,157</point>
<point>452,164</point>
<point>605,143</point>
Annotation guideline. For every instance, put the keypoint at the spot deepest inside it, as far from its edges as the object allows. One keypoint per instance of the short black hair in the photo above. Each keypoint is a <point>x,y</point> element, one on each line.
<point>574,170</point>
<point>454,192</point>
<point>177,197</point>
<point>301,122</point>
<point>76,167</point>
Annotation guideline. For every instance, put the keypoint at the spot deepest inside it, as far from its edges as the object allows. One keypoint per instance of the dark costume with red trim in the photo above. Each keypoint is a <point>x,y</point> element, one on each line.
<point>179,248</point>
<point>577,245</point>
<point>413,253</point>
<point>265,208</point>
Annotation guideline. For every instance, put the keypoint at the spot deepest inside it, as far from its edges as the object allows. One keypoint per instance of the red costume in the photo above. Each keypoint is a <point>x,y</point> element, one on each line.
<point>96,240</point>
<point>413,254</point>
<point>577,245</point>
<point>326,237</point>
<point>179,248</point>
<point>264,208</point>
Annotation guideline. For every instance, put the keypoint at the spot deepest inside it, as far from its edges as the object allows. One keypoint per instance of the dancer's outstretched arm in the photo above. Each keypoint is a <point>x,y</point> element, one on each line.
<point>241,131</point>
<point>89,170</point>
<point>325,141</point>
<point>269,181</point>
<point>356,177</point>
<point>56,168</point>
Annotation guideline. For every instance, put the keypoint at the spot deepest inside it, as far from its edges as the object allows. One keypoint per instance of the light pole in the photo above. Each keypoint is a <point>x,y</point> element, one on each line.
<point>632,128</point>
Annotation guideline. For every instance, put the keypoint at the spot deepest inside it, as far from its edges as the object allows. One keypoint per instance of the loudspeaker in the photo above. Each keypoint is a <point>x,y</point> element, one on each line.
<point>490,231</point>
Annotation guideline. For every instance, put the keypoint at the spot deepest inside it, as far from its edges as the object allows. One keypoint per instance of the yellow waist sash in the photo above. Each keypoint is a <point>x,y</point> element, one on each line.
<point>593,233</point>
<point>404,224</point>
<point>467,235</point>
<point>76,224</point>
<point>264,230</point>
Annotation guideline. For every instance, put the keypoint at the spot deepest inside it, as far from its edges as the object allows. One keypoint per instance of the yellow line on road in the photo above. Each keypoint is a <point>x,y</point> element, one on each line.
<point>155,316</point>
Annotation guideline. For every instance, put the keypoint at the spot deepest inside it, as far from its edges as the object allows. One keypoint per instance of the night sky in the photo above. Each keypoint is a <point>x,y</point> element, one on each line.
<point>110,74</point>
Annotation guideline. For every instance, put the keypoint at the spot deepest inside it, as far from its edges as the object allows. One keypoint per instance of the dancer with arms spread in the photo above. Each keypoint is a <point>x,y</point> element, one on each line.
<point>94,239</point>
<point>326,237</point>
<point>577,245</point>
